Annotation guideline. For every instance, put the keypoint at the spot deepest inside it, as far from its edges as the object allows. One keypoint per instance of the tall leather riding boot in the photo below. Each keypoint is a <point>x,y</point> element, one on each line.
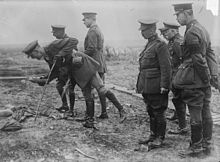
<point>153,132</point>
<point>63,98</point>
<point>89,104</point>
<point>72,103</point>
<point>160,130</point>
<point>207,143</point>
<point>104,114</point>
<point>115,101</point>
<point>195,149</point>
<point>64,106</point>
<point>196,135</point>
<point>90,112</point>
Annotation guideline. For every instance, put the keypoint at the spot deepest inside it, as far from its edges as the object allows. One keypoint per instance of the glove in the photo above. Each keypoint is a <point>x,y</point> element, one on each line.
<point>43,77</point>
<point>40,82</point>
<point>58,58</point>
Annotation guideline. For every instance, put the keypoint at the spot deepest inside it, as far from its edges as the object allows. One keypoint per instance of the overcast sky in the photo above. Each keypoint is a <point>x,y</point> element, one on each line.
<point>25,21</point>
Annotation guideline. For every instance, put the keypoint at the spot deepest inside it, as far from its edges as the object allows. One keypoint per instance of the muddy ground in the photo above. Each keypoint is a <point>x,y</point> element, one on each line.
<point>48,140</point>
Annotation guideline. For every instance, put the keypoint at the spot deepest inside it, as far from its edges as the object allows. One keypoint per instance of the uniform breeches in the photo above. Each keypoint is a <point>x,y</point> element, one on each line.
<point>97,83</point>
<point>198,101</point>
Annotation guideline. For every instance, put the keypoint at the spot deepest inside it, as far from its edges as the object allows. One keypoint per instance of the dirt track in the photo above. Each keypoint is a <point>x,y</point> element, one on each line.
<point>57,140</point>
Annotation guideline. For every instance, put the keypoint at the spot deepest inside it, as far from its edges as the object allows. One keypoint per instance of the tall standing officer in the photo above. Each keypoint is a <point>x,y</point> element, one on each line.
<point>195,75</point>
<point>171,33</point>
<point>154,81</point>
<point>93,46</point>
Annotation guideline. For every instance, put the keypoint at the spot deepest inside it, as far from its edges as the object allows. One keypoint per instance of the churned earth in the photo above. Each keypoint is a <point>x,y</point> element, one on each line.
<point>50,140</point>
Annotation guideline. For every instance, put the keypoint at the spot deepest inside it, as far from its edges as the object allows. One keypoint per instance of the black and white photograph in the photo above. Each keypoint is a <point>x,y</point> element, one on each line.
<point>109,80</point>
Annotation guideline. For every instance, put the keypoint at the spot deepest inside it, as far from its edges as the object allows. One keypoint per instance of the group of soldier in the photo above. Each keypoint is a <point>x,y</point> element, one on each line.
<point>186,66</point>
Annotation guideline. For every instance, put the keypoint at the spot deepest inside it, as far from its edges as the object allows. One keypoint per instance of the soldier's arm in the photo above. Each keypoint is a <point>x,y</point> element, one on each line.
<point>68,48</point>
<point>199,60</point>
<point>211,60</point>
<point>92,43</point>
<point>213,67</point>
<point>165,65</point>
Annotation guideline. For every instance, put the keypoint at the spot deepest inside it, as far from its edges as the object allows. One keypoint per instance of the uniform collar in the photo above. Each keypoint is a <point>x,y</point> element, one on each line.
<point>174,37</point>
<point>65,36</point>
<point>93,25</point>
<point>154,37</point>
<point>191,23</point>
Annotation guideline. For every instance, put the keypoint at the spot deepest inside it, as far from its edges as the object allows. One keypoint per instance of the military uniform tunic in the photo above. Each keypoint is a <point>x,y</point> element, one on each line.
<point>175,52</point>
<point>155,67</point>
<point>93,46</point>
<point>198,59</point>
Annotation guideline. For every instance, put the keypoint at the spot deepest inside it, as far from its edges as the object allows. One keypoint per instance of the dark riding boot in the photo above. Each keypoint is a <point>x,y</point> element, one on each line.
<point>72,103</point>
<point>90,112</point>
<point>207,143</point>
<point>160,129</point>
<point>153,134</point>
<point>195,149</point>
<point>116,103</point>
<point>88,103</point>
<point>64,106</point>
<point>104,114</point>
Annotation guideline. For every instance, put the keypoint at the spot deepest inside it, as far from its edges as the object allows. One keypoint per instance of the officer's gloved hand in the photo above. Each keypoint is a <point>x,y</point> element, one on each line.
<point>58,58</point>
<point>164,90</point>
<point>43,77</point>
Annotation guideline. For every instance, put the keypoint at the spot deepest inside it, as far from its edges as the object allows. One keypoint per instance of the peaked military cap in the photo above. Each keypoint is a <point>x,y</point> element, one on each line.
<point>171,25</point>
<point>58,27</point>
<point>147,23</point>
<point>30,47</point>
<point>163,29</point>
<point>89,15</point>
<point>182,7</point>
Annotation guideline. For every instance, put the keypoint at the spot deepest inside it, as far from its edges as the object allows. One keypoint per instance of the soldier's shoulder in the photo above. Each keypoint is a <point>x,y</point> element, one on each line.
<point>95,29</point>
<point>194,30</point>
<point>161,42</point>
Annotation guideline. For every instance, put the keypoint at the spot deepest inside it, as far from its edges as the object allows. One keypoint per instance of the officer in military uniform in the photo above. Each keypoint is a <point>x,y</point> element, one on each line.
<point>154,81</point>
<point>93,46</point>
<point>194,77</point>
<point>83,71</point>
<point>171,33</point>
<point>61,51</point>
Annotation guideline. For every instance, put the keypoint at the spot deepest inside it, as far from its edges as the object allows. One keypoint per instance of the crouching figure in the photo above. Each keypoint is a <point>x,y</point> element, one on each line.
<point>82,70</point>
